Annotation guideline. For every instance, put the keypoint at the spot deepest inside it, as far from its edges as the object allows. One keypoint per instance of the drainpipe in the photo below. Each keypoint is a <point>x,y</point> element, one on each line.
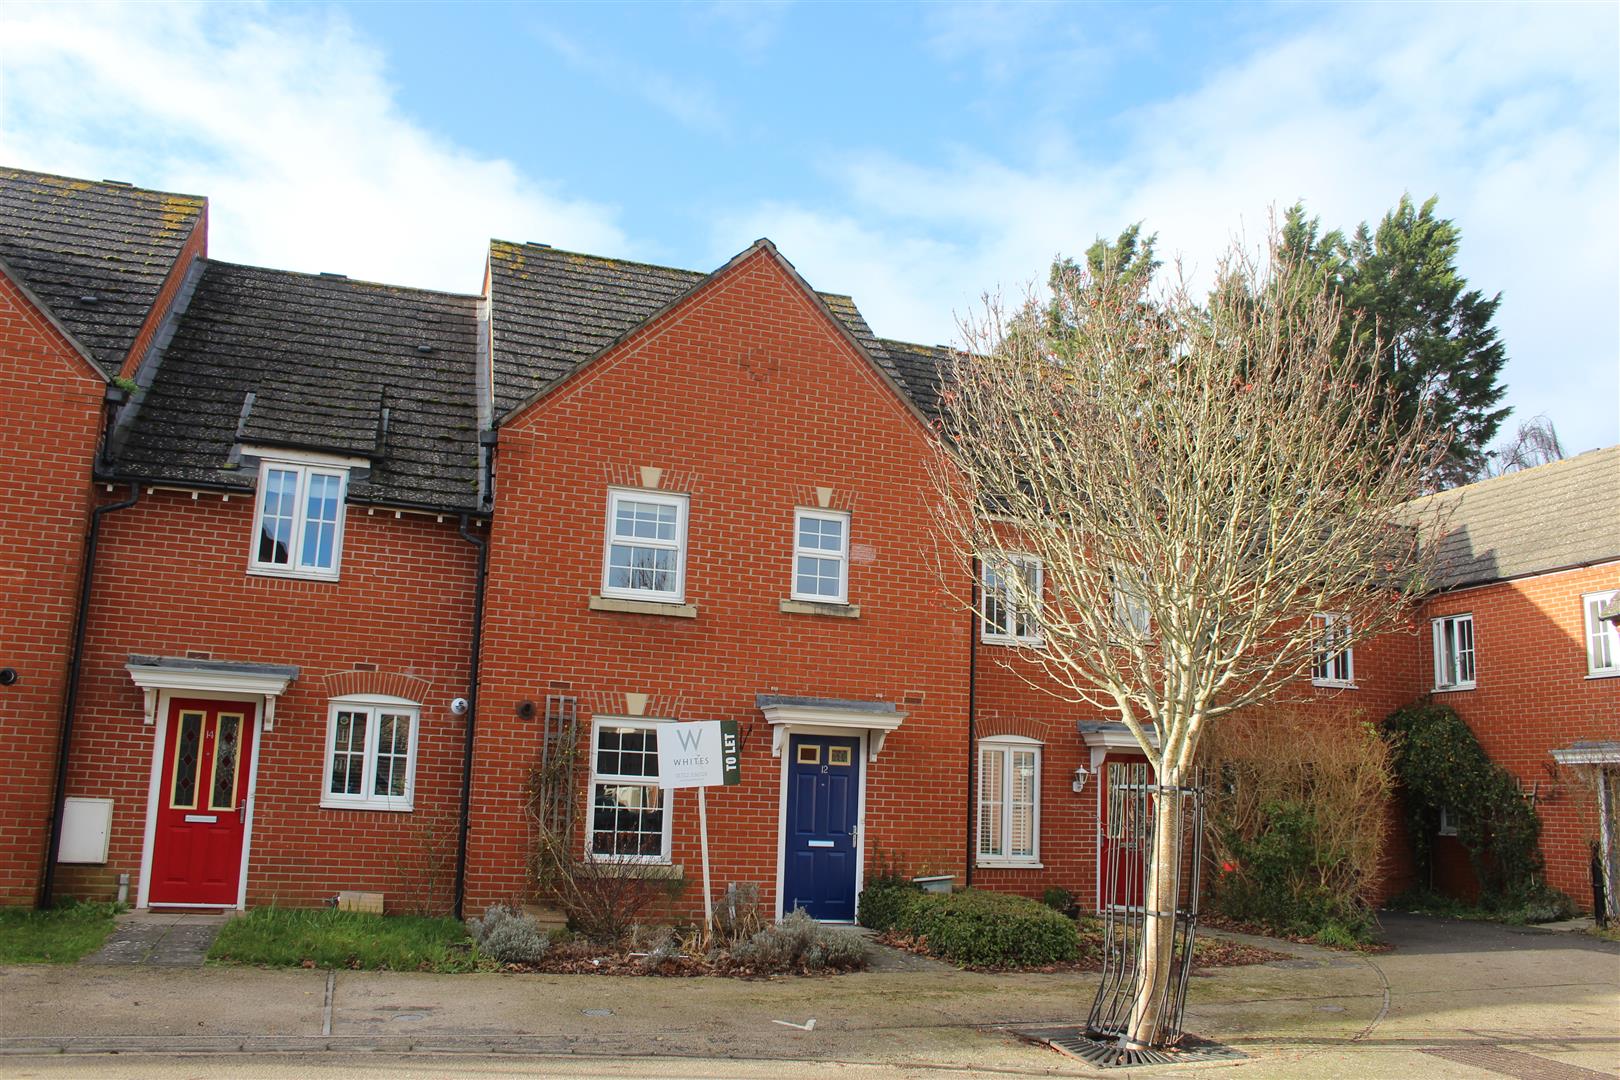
<point>465,821</point>
<point>70,695</point>
<point>973,732</point>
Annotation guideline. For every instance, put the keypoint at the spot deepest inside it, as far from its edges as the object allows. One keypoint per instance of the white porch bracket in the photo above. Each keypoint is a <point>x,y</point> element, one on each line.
<point>154,674</point>
<point>1105,737</point>
<point>785,714</point>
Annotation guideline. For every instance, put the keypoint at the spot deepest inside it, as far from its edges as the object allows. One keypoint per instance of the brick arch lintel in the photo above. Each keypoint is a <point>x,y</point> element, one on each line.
<point>392,683</point>
<point>1030,728</point>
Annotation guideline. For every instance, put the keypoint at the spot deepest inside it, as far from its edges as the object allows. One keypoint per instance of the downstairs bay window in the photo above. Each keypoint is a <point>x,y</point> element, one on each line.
<point>1009,810</point>
<point>629,812</point>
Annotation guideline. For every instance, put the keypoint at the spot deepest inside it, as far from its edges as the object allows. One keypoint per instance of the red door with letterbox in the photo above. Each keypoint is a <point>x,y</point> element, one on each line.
<point>202,803</point>
<point>1124,802</point>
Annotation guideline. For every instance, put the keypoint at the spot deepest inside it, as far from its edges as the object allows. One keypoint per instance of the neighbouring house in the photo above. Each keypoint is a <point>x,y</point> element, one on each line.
<point>360,561</point>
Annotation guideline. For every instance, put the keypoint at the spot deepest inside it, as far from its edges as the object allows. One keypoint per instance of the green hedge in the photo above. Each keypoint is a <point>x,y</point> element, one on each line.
<point>990,929</point>
<point>884,901</point>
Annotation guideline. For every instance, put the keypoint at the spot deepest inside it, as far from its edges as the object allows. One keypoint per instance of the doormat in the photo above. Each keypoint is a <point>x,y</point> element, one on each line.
<point>1103,1052</point>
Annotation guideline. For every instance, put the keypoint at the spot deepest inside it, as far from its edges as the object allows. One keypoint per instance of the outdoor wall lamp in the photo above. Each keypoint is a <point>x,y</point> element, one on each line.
<point>1081,775</point>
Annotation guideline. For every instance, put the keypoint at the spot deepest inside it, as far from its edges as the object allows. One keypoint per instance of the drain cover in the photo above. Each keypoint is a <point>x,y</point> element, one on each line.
<point>597,1012</point>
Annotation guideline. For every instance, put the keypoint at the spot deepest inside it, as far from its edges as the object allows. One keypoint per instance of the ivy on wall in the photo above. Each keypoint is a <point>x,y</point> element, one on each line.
<point>1439,762</point>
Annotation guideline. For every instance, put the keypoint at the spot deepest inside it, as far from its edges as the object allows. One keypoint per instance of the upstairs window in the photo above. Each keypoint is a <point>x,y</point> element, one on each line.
<point>1131,613</point>
<point>1012,588</point>
<point>299,520</point>
<point>1602,635</point>
<point>370,753</point>
<point>1333,665</point>
<point>1009,801</point>
<point>1454,652</point>
<point>646,546</point>
<point>821,556</point>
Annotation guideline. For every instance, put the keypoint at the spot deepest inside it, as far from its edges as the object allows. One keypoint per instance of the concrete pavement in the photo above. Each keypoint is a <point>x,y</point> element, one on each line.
<point>1453,1000</point>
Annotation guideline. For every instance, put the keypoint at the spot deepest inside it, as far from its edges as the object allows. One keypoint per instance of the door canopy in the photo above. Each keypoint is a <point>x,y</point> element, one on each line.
<point>787,715</point>
<point>203,677</point>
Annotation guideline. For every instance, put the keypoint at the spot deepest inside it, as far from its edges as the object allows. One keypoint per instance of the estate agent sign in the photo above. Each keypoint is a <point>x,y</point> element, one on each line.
<point>700,754</point>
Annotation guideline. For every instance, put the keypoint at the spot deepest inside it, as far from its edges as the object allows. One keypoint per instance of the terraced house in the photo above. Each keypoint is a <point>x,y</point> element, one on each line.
<point>310,580</point>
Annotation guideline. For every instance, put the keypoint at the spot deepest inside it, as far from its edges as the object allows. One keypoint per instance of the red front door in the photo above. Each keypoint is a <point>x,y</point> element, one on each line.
<point>202,803</point>
<point>1119,847</point>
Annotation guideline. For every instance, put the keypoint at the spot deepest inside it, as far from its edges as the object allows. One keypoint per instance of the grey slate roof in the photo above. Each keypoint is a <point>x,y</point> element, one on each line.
<point>323,358</point>
<point>1563,514</point>
<point>921,367</point>
<point>72,239</point>
<point>553,309</point>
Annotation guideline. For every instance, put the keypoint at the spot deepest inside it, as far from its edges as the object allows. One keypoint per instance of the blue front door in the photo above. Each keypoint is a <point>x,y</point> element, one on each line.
<point>823,809</point>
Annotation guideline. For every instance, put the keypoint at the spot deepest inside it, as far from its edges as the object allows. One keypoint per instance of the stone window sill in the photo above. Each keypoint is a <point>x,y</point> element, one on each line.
<point>813,607</point>
<point>644,607</point>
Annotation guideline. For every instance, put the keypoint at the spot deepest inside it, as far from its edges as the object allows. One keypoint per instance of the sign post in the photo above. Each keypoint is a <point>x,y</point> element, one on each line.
<point>700,754</point>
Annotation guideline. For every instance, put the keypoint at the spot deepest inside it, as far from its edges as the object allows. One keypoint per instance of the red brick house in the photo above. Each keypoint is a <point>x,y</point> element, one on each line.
<point>366,558</point>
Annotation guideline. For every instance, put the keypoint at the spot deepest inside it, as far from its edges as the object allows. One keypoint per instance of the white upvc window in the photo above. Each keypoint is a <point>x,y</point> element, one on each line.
<point>1131,613</point>
<point>1012,589</point>
<point>1333,662</point>
<point>1009,812</point>
<point>1448,821</point>
<point>371,753</point>
<point>298,520</point>
<point>630,815</point>
<point>644,557</point>
<point>1454,652</point>
<point>1602,635</point>
<point>821,556</point>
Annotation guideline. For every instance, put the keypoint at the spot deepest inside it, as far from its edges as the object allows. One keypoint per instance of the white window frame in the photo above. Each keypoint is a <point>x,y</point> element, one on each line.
<point>1601,631</point>
<point>622,780</point>
<point>1007,746</point>
<point>1329,666</point>
<point>295,567</point>
<point>1131,612</point>
<point>842,556</point>
<point>1446,654</point>
<point>1007,633</point>
<point>374,706</point>
<point>1448,822</point>
<point>676,595</point>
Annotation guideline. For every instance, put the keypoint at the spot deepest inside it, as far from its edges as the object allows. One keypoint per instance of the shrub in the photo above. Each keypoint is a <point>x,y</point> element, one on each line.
<point>1441,763</point>
<point>990,929</point>
<point>800,943</point>
<point>736,916</point>
<point>509,936</point>
<point>1059,899</point>
<point>1296,811</point>
<point>883,901</point>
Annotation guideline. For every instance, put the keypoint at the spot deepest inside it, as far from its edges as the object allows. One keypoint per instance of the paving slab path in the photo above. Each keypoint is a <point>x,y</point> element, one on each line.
<point>161,939</point>
<point>1453,1000</point>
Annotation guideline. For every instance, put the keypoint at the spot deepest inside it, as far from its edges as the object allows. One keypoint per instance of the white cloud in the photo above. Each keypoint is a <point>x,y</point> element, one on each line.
<point>688,103</point>
<point>1508,113</point>
<point>288,122</point>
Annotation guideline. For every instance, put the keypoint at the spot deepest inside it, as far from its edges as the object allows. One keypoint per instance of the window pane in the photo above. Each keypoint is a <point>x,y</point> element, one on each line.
<point>188,747</point>
<point>990,802</point>
<point>1022,801</point>
<point>321,508</point>
<point>276,517</point>
<point>393,754</point>
<point>227,748</point>
<point>627,820</point>
<point>633,519</point>
<point>819,577</point>
<point>645,568</point>
<point>348,753</point>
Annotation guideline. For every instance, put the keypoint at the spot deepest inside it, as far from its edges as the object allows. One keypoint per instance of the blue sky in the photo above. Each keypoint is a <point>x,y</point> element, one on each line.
<point>916,156</point>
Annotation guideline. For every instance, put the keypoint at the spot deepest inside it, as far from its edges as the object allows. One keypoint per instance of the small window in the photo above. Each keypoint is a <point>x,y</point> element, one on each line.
<point>839,756</point>
<point>809,754</point>
<point>299,520</point>
<point>629,811</point>
<point>1448,821</point>
<point>1012,595</point>
<point>1009,801</point>
<point>645,558</point>
<point>1131,613</point>
<point>1454,652</point>
<point>821,556</point>
<point>1333,663</point>
<point>371,753</point>
<point>1602,635</point>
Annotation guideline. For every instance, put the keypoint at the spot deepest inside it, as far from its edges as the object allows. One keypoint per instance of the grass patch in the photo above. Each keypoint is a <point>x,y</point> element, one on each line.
<point>328,938</point>
<point>1547,906</point>
<point>58,936</point>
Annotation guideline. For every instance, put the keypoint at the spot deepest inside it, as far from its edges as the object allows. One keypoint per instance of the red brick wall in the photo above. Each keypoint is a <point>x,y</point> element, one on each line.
<point>749,440</point>
<point>196,247</point>
<point>172,580</point>
<point>1532,696</point>
<point>50,413</point>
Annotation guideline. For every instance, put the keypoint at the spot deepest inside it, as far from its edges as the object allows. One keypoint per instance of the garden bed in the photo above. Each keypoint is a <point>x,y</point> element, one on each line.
<point>1208,952</point>
<point>59,936</point>
<point>328,938</point>
<point>1322,941</point>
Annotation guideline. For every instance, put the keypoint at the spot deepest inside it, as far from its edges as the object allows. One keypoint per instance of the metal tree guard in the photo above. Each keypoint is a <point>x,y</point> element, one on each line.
<point>1132,808</point>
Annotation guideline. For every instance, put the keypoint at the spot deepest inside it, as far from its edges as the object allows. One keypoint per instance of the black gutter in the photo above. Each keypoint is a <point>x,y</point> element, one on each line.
<point>465,821</point>
<point>972,718</point>
<point>71,694</point>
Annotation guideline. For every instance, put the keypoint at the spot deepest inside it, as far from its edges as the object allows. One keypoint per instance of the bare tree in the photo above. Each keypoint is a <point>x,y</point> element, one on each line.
<point>1197,480</point>
<point>1535,443</point>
